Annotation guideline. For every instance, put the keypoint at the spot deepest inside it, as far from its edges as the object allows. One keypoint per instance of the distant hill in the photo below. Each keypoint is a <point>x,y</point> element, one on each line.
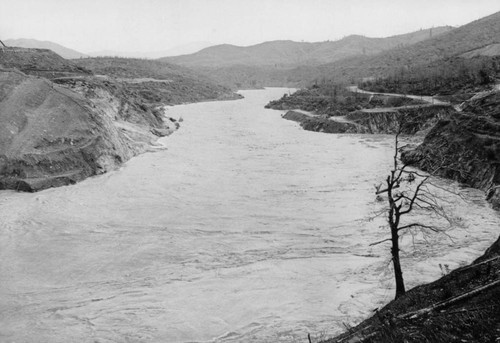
<point>36,44</point>
<point>132,68</point>
<point>480,37</point>
<point>288,54</point>
<point>175,51</point>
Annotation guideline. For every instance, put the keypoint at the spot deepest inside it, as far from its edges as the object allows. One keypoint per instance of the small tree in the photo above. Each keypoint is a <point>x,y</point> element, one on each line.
<point>406,191</point>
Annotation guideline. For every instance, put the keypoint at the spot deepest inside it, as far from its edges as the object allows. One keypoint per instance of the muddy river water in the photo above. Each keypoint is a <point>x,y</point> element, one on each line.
<point>247,228</point>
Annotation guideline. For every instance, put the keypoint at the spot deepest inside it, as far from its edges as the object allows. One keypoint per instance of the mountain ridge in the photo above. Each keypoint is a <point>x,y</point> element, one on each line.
<point>464,39</point>
<point>288,53</point>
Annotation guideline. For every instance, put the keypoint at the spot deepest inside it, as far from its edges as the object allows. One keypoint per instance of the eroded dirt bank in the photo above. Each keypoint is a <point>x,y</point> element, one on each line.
<point>51,135</point>
<point>61,122</point>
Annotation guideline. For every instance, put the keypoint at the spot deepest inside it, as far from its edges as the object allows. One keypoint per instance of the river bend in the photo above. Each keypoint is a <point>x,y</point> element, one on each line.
<point>247,228</point>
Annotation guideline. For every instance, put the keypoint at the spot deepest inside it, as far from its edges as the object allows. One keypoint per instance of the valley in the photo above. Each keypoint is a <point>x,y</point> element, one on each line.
<point>228,195</point>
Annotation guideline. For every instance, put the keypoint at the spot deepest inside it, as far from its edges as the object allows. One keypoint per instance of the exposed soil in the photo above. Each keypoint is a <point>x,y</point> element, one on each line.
<point>59,123</point>
<point>51,136</point>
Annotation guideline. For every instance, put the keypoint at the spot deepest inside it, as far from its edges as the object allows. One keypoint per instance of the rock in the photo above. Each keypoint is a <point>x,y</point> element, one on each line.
<point>321,124</point>
<point>161,132</point>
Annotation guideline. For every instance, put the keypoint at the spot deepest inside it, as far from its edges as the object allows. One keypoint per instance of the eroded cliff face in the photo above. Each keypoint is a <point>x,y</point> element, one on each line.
<point>322,123</point>
<point>417,120</point>
<point>466,147</point>
<point>52,135</point>
<point>413,120</point>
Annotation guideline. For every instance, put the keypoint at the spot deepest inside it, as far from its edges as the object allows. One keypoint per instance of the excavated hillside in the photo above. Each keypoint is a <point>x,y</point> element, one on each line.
<point>466,147</point>
<point>52,136</point>
<point>60,123</point>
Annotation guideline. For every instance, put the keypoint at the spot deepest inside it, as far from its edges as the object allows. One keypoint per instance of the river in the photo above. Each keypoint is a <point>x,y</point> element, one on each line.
<point>247,228</point>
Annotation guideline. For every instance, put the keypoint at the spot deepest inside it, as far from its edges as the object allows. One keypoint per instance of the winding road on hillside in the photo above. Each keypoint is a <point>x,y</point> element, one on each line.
<point>430,101</point>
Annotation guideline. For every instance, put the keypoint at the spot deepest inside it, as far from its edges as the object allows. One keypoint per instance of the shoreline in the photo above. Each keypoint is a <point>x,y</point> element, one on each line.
<point>97,138</point>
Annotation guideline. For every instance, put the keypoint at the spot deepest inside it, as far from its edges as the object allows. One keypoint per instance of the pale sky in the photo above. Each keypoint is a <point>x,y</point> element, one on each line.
<point>152,25</point>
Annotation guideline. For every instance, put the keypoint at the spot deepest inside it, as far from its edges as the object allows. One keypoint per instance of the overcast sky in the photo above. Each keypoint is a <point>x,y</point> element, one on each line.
<point>152,25</point>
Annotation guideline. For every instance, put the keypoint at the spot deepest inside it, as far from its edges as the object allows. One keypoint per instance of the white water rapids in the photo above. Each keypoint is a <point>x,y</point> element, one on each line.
<point>247,229</point>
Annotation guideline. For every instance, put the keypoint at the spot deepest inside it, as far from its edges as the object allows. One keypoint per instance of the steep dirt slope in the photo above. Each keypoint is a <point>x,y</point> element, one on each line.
<point>466,148</point>
<point>51,135</point>
<point>60,122</point>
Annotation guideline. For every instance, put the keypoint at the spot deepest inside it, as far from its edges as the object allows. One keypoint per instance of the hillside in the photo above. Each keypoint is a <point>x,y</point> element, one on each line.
<point>39,62</point>
<point>462,41</point>
<point>51,136</point>
<point>287,54</point>
<point>174,51</point>
<point>158,82</point>
<point>61,123</point>
<point>466,148</point>
<point>36,44</point>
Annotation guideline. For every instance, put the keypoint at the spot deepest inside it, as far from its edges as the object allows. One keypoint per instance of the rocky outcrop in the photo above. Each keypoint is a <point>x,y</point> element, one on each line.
<point>322,123</point>
<point>51,135</point>
<point>465,147</point>
<point>413,120</point>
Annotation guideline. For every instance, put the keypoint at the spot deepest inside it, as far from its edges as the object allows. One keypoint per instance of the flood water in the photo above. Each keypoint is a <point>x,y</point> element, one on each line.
<point>246,229</point>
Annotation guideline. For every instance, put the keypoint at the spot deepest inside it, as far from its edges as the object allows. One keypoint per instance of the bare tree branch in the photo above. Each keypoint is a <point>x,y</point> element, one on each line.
<point>430,227</point>
<point>382,241</point>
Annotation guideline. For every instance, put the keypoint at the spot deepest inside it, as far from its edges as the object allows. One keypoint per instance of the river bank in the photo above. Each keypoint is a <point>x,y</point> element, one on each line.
<point>61,122</point>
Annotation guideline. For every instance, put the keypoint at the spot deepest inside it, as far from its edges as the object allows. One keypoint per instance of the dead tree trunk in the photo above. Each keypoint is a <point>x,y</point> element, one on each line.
<point>3,44</point>
<point>394,217</point>
<point>398,273</point>
<point>406,191</point>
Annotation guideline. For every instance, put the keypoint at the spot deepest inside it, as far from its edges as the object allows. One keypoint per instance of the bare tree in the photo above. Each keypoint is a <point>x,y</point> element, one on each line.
<point>407,192</point>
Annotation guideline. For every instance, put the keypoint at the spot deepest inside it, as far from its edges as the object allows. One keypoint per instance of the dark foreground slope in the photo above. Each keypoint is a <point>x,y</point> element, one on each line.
<point>462,306</point>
